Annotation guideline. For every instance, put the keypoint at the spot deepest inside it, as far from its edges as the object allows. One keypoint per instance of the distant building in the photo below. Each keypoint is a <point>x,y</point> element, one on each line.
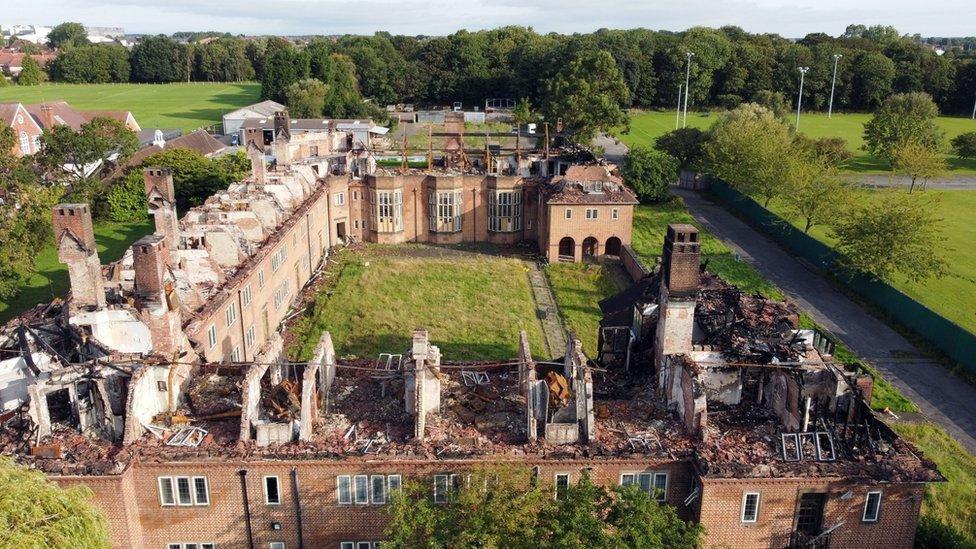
<point>12,60</point>
<point>265,109</point>
<point>26,129</point>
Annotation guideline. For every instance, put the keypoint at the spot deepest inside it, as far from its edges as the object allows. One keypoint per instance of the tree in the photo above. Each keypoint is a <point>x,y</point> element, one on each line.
<point>306,98</point>
<point>67,35</point>
<point>92,64</point>
<point>774,101</point>
<point>686,145</point>
<point>893,235</point>
<point>904,117</point>
<point>965,145</point>
<point>31,74</point>
<point>587,96</point>
<point>126,200</point>
<point>639,521</point>
<point>872,77</point>
<point>747,149</point>
<point>578,517</point>
<point>96,141</point>
<point>917,161</point>
<point>522,115</point>
<point>283,66</point>
<point>815,193</point>
<point>832,150</point>
<point>157,59</point>
<point>650,173</point>
<point>196,177</point>
<point>36,512</point>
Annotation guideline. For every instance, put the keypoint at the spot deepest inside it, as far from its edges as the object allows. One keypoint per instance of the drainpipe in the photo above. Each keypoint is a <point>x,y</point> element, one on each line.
<point>247,508</point>
<point>298,507</point>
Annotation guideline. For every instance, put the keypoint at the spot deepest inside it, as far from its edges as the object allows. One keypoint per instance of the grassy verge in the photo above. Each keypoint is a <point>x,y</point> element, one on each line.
<point>179,105</point>
<point>472,306</point>
<point>51,279</point>
<point>578,288</point>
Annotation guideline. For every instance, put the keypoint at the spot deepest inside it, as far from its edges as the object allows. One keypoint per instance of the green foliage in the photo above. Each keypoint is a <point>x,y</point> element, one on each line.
<point>588,95</point>
<point>306,98</point>
<point>92,64</point>
<point>965,145</point>
<point>577,519</point>
<point>917,161</point>
<point>747,148</point>
<point>31,74</point>
<point>35,512</point>
<point>158,59</point>
<point>649,174</point>
<point>893,235</point>
<point>832,151</point>
<point>686,145</point>
<point>126,199</point>
<point>523,112</point>
<point>814,193</point>
<point>195,177</point>
<point>95,141</point>
<point>904,117</point>
<point>283,66</point>
<point>66,35</point>
<point>639,521</point>
<point>774,101</point>
<point>223,60</point>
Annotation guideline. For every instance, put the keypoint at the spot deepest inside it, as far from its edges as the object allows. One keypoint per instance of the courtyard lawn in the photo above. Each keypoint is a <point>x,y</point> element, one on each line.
<point>578,288</point>
<point>645,126</point>
<point>180,105</point>
<point>953,296</point>
<point>473,305</point>
<point>51,279</point>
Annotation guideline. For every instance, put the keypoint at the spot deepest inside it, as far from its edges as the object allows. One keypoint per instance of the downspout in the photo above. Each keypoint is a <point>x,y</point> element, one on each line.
<point>240,308</point>
<point>247,508</point>
<point>298,507</point>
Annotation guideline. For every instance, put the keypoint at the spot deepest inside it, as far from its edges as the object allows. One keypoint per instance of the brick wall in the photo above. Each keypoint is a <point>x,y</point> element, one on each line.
<point>579,228</point>
<point>24,125</point>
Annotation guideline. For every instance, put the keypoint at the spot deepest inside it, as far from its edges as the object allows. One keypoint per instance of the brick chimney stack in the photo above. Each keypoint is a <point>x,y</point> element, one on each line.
<point>162,205</point>
<point>149,256</point>
<point>157,300</point>
<point>75,239</point>
<point>258,167</point>
<point>47,117</point>
<point>680,277</point>
<point>282,125</point>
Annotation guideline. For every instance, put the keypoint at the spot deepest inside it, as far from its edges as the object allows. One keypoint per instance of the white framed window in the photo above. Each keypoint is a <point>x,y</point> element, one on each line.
<point>340,199</point>
<point>281,295</point>
<point>261,278</point>
<point>25,143</point>
<point>441,488</point>
<point>212,336</point>
<point>184,495</point>
<point>364,545</point>
<point>377,491</point>
<point>235,354</point>
<point>276,545</point>
<point>249,336</point>
<point>872,507</point>
<point>272,490</point>
<point>592,213</point>
<point>347,545</point>
<point>230,314</point>
<point>750,507</point>
<point>444,211</point>
<point>246,296</point>
<point>505,211</point>
<point>361,489</point>
<point>201,491</point>
<point>562,485</point>
<point>191,545</point>
<point>654,483</point>
<point>615,214</point>
<point>394,484</point>
<point>569,213</point>
<point>344,489</point>
<point>167,494</point>
<point>278,259</point>
<point>389,211</point>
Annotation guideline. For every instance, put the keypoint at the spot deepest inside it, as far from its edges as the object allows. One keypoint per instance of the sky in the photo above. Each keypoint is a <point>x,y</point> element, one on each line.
<point>789,18</point>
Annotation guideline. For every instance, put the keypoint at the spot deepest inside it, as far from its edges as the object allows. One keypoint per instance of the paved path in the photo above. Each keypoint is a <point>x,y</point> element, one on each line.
<point>941,396</point>
<point>552,323</point>
<point>961,182</point>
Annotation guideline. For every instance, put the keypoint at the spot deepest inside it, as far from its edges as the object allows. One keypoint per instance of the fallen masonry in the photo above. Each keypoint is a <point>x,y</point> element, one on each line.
<point>162,384</point>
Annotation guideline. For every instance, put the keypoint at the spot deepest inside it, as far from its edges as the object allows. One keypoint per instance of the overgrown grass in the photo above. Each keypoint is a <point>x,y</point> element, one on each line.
<point>180,105</point>
<point>473,306</point>
<point>645,126</point>
<point>950,507</point>
<point>51,279</point>
<point>578,288</point>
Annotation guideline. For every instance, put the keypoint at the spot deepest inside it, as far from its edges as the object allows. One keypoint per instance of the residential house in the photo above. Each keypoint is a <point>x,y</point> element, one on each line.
<point>26,130</point>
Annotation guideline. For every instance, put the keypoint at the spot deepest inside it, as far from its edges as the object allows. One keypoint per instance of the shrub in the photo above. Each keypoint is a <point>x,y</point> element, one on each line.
<point>965,145</point>
<point>126,200</point>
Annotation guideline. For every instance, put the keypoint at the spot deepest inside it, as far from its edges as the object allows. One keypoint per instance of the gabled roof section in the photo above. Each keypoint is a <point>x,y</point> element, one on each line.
<point>265,108</point>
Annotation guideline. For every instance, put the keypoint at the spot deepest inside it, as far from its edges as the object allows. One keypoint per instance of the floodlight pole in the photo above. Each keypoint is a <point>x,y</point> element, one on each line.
<point>974,107</point>
<point>833,81</point>
<point>687,89</point>
<point>799,99</point>
<point>677,114</point>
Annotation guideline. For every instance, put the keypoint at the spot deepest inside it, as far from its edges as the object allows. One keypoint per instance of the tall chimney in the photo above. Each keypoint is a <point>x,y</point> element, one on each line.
<point>679,292</point>
<point>47,117</point>
<point>75,239</point>
<point>258,167</point>
<point>282,125</point>
<point>162,205</point>
<point>149,256</point>
<point>157,300</point>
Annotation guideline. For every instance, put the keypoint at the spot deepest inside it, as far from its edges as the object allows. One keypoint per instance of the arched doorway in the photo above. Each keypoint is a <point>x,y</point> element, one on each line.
<point>589,247</point>
<point>612,247</point>
<point>567,249</point>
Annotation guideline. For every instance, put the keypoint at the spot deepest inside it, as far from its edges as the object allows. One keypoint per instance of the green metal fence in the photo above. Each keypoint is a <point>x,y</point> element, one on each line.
<point>955,341</point>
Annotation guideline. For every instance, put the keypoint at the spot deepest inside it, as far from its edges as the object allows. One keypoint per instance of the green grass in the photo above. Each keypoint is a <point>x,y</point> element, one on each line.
<point>953,296</point>
<point>473,306</point>
<point>578,288</point>
<point>953,503</point>
<point>645,126</point>
<point>184,106</point>
<point>51,279</point>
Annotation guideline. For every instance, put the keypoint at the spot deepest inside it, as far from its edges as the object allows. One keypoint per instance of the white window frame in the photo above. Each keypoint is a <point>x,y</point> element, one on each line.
<point>592,214</point>
<point>212,336</point>
<point>230,314</point>
<point>339,199</point>
<point>246,296</point>
<point>615,214</point>
<point>635,478</point>
<point>755,514</point>
<point>189,487</point>
<point>555,483</point>
<point>438,496</point>
<point>569,213</point>
<point>347,545</point>
<point>235,354</point>
<point>172,491</point>
<point>278,259</point>
<point>393,485</point>
<point>276,545</point>
<point>505,210</point>
<point>347,500</point>
<point>356,490</point>
<point>374,482</point>
<point>261,278</point>
<point>206,490</point>
<point>877,508</point>
<point>250,336</point>
<point>267,494</point>
<point>25,142</point>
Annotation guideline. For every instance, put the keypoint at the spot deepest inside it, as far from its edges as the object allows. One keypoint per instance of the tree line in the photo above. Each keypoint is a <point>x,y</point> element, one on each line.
<point>729,66</point>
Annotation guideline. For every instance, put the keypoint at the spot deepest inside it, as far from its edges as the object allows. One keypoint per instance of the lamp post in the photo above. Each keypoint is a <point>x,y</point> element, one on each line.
<point>677,114</point>
<point>974,107</point>
<point>799,99</point>
<point>687,89</point>
<point>833,81</point>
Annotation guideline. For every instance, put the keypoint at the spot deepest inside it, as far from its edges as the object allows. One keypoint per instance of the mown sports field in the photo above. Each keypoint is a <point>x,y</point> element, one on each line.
<point>645,126</point>
<point>183,106</point>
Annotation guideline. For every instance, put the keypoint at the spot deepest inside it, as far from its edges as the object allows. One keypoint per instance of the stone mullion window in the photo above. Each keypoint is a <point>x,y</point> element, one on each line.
<point>505,211</point>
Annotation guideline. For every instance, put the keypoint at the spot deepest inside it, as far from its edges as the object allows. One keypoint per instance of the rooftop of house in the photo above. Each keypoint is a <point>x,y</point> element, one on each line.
<point>317,124</point>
